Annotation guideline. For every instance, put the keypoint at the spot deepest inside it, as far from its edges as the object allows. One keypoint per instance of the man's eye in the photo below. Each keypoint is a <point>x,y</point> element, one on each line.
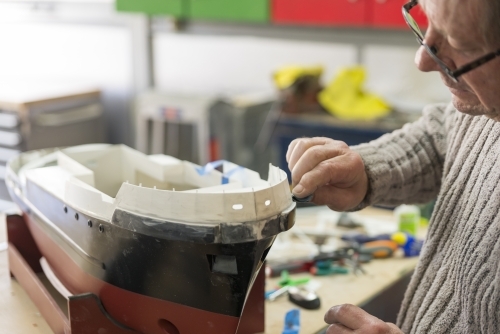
<point>469,52</point>
<point>465,50</point>
<point>462,47</point>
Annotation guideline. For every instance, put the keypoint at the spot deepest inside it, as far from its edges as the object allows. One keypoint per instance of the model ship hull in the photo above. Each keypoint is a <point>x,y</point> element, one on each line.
<point>133,310</point>
<point>152,275</point>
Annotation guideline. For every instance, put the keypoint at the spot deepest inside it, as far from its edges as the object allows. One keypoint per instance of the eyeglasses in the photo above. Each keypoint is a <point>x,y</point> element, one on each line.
<point>432,51</point>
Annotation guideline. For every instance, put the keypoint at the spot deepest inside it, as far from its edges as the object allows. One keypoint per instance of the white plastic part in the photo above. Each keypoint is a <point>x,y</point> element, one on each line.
<point>98,179</point>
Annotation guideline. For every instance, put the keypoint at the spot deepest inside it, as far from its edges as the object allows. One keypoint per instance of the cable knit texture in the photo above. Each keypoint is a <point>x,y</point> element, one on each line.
<point>456,157</point>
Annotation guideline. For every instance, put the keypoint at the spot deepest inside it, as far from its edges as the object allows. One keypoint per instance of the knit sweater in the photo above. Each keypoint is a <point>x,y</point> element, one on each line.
<point>456,157</point>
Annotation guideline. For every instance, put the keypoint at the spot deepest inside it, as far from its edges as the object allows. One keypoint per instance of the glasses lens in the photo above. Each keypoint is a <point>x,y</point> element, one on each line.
<point>413,25</point>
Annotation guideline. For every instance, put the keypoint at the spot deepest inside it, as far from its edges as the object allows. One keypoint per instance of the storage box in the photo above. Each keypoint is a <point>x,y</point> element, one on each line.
<point>321,12</point>
<point>388,14</point>
<point>356,13</point>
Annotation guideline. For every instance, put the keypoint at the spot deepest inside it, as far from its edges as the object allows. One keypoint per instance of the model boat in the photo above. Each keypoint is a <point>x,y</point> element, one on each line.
<point>168,246</point>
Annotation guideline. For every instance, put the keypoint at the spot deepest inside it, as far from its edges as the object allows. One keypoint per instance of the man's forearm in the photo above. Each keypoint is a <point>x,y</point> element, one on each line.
<point>406,165</point>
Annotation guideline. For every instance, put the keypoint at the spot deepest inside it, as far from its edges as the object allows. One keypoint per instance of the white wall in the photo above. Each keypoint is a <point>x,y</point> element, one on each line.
<point>204,64</point>
<point>235,64</point>
<point>60,52</point>
<point>393,74</point>
<point>74,45</point>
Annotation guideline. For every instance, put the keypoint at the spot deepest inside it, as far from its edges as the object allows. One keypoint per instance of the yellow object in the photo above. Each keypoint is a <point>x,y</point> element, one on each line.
<point>399,238</point>
<point>345,99</point>
<point>286,76</point>
<point>424,222</point>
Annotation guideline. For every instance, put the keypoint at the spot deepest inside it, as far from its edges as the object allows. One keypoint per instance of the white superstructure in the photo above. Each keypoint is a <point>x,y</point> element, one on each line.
<point>100,178</point>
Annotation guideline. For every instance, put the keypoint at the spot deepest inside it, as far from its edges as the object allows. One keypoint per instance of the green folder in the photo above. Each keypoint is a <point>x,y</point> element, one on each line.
<point>230,10</point>
<point>176,8</point>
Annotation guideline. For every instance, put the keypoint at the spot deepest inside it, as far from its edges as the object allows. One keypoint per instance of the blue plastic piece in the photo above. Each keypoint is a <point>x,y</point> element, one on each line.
<point>216,164</point>
<point>413,246</point>
<point>292,322</point>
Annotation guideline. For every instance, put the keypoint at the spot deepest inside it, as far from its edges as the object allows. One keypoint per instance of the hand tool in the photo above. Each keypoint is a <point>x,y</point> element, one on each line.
<point>304,298</point>
<point>306,199</point>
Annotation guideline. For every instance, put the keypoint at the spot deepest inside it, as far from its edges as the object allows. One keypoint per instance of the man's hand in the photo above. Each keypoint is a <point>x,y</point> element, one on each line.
<point>329,169</point>
<point>344,319</point>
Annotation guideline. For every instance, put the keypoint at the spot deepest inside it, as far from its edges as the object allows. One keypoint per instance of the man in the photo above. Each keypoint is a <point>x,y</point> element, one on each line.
<point>452,152</point>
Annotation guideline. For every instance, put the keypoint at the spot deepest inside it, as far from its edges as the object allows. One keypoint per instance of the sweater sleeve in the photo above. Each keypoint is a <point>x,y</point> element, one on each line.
<point>406,166</point>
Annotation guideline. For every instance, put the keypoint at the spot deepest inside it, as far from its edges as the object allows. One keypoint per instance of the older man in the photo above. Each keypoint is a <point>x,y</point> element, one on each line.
<point>452,152</point>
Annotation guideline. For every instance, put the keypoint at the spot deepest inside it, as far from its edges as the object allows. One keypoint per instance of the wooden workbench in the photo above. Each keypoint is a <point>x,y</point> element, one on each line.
<point>340,289</point>
<point>18,315</point>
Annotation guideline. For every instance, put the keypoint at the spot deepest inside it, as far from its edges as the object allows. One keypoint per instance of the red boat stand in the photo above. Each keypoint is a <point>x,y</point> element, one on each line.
<point>86,313</point>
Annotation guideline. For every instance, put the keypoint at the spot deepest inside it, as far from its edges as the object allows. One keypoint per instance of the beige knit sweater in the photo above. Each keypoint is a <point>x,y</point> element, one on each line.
<point>456,157</point>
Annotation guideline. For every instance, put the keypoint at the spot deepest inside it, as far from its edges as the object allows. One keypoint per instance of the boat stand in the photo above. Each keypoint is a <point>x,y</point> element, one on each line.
<point>85,311</point>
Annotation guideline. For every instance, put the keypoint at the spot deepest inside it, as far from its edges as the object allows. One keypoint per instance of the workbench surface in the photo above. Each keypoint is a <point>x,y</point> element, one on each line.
<point>340,289</point>
<point>18,315</point>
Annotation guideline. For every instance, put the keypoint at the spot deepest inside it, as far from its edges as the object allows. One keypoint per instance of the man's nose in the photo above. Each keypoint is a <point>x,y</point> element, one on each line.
<point>424,61</point>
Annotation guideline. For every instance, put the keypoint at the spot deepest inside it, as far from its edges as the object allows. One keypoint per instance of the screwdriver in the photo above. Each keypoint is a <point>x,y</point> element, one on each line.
<point>379,249</point>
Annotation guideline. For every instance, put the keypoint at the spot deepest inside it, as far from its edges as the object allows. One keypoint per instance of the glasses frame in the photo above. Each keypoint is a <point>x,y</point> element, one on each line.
<point>432,51</point>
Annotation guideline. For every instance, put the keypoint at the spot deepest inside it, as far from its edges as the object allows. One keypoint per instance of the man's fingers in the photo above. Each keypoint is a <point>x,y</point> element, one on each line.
<point>290,149</point>
<point>319,163</point>
<point>297,148</point>
<point>342,171</point>
<point>314,156</point>
<point>338,329</point>
<point>351,319</point>
<point>350,316</point>
<point>308,183</point>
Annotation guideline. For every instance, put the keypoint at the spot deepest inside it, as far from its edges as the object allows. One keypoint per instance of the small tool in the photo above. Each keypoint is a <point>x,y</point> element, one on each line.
<point>360,238</point>
<point>324,268</point>
<point>356,265</point>
<point>304,298</point>
<point>275,294</point>
<point>293,267</point>
<point>286,280</point>
<point>328,271</point>
<point>348,255</point>
<point>342,254</point>
<point>307,199</point>
<point>379,249</point>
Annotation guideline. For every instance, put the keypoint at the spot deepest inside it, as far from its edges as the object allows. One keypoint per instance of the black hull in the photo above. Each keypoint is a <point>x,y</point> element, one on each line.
<point>214,277</point>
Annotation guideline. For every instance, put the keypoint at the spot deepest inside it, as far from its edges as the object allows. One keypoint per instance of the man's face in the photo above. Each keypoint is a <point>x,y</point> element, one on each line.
<point>454,29</point>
